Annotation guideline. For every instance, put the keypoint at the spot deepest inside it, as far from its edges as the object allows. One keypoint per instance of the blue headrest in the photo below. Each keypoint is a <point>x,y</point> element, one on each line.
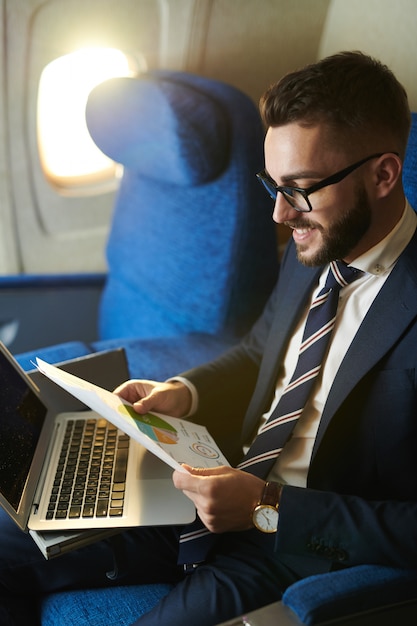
<point>160,128</point>
<point>410,165</point>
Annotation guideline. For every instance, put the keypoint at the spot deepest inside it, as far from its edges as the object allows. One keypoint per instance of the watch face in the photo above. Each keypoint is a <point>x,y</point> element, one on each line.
<point>265,518</point>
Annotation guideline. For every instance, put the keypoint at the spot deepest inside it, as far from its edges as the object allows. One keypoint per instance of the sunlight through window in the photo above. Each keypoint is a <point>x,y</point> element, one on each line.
<point>69,157</point>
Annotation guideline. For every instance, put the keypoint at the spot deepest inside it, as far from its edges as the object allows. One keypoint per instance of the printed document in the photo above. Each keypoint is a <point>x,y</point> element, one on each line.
<point>173,440</point>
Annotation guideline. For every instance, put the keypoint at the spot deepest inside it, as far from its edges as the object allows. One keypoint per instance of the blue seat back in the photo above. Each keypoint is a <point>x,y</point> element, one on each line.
<point>192,246</point>
<point>410,165</point>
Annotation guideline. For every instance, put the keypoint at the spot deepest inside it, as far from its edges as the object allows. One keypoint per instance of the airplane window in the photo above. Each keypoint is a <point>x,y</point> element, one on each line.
<point>70,159</point>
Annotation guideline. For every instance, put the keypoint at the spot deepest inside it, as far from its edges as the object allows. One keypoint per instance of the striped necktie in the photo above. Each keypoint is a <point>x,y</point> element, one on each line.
<point>317,332</point>
<point>196,540</point>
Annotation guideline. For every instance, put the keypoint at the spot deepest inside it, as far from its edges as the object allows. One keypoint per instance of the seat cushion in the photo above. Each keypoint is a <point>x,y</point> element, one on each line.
<point>118,606</point>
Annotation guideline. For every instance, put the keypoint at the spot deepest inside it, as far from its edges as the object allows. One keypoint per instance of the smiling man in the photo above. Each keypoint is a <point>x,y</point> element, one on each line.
<point>321,153</point>
<point>322,392</point>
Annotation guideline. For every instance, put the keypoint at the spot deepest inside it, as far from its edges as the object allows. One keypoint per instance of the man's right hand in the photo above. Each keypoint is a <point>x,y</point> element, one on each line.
<point>171,398</point>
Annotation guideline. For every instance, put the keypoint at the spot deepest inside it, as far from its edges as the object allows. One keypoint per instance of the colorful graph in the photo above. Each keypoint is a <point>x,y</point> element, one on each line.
<point>151,425</point>
<point>204,450</point>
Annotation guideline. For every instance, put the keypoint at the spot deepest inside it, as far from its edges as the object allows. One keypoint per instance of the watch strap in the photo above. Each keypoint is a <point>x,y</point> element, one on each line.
<point>272,494</point>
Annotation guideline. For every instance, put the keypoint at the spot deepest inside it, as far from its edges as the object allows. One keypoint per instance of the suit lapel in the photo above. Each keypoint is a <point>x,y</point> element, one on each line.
<point>391,313</point>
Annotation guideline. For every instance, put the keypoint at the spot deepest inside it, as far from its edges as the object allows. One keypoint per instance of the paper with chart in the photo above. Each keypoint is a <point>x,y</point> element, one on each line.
<point>172,439</point>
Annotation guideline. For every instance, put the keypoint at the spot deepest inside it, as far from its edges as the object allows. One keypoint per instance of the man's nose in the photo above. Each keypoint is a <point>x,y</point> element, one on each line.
<point>283,211</point>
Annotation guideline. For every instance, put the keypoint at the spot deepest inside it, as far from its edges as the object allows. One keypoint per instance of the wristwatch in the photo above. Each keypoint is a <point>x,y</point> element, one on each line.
<point>265,514</point>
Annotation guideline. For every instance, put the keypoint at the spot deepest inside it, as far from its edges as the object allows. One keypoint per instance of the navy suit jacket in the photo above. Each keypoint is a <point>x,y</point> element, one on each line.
<point>360,505</point>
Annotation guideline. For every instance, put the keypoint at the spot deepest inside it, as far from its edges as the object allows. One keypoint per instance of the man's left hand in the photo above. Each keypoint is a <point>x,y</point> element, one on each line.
<point>223,496</point>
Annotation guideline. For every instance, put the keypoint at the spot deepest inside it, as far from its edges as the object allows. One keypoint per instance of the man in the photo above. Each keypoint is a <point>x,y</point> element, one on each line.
<point>343,489</point>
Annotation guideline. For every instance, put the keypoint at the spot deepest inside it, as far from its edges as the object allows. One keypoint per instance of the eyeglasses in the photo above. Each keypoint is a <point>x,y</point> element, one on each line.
<point>298,197</point>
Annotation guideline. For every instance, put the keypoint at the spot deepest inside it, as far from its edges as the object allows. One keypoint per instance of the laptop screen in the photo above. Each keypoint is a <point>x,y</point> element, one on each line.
<point>22,415</point>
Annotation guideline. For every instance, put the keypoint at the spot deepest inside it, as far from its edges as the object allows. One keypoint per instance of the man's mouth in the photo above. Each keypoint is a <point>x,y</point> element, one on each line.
<point>303,234</point>
<point>301,229</point>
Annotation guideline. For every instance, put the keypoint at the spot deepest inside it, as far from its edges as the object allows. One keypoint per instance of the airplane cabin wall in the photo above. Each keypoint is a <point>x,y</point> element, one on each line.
<point>248,44</point>
<point>382,28</point>
<point>54,233</point>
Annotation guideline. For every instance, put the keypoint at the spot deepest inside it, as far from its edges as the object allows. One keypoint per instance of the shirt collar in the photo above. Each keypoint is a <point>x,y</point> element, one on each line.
<point>382,257</point>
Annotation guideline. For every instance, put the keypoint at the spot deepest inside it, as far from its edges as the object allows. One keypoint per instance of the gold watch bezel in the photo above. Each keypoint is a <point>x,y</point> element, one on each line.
<point>262,508</point>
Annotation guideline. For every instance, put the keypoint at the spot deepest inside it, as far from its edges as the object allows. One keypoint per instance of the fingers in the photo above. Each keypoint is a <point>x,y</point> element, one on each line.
<point>191,480</point>
<point>185,481</point>
<point>148,403</point>
<point>206,471</point>
<point>172,398</point>
<point>132,390</point>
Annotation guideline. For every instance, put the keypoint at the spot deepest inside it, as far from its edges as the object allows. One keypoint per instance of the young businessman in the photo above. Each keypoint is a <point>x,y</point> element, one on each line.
<point>341,489</point>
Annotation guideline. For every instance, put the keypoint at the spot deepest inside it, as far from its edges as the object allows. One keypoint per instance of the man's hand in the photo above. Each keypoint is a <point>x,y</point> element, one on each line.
<point>172,398</point>
<point>223,496</point>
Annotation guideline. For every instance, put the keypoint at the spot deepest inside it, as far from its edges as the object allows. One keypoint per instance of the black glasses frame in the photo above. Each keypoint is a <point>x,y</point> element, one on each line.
<point>288,192</point>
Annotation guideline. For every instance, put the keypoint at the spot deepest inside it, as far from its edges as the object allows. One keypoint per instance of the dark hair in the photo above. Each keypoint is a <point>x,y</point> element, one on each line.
<point>355,94</point>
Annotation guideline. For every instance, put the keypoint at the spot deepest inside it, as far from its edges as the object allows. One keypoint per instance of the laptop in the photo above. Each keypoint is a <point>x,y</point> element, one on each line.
<point>71,478</point>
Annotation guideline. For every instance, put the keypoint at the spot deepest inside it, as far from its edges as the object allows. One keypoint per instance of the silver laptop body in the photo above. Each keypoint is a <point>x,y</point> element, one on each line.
<point>31,439</point>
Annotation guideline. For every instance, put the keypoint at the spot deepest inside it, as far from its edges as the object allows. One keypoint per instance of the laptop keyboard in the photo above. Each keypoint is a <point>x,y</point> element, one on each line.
<point>90,480</point>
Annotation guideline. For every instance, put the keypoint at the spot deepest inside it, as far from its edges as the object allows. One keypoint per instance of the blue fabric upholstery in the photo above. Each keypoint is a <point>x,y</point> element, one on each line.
<point>101,607</point>
<point>160,133</point>
<point>410,165</point>
<point>338,594</point>
<point>54,354</point>
<point>156,359</point>
<point>161,358</point>
<point>192,246</point>
<point>314,600</point>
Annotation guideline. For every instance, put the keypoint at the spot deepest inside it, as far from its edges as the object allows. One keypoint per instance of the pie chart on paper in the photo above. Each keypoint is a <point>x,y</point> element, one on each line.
<point>153,426</point>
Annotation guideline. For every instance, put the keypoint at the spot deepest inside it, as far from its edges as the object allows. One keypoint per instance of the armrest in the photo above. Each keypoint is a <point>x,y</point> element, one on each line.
<point>105,369</point>
<point>366,595</point>
<point>350,591</point>
<point>51,281</point>
<point>39,310</point>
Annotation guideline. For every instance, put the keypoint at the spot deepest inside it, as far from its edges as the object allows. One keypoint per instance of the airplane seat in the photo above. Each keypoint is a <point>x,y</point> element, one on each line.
<point>192,250</point>
<point>410,165</point>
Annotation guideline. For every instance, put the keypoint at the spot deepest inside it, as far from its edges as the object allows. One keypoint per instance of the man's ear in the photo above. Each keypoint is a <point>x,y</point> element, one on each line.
<point>387,174</point>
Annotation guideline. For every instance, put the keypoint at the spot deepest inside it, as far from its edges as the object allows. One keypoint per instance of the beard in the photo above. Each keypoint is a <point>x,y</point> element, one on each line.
<point>341,236</point>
